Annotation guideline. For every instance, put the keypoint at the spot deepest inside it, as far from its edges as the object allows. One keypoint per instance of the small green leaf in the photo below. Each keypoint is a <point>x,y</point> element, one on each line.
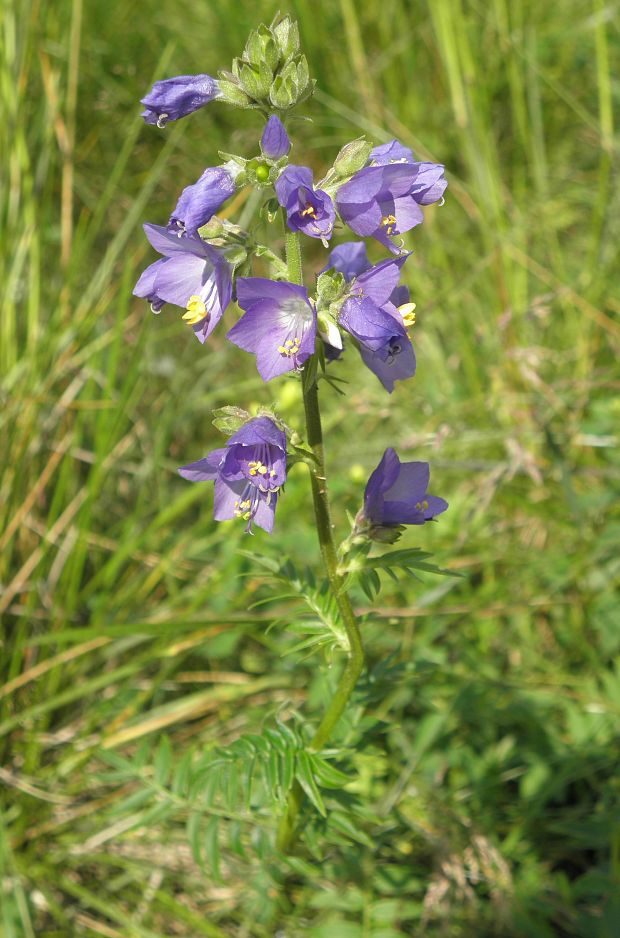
<point>306,780</point>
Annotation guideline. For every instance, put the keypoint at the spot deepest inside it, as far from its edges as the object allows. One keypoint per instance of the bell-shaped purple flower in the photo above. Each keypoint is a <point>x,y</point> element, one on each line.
<point>176,97</point>
<point>370,316</point>
<point>392,152</point>
<point>191,274</point>
<point>384,201</point>
<point>308,209</point>
<point>397,493</point>
<point>248,473</point>
<point>279,325</point>
<point>199,202</point>
<point>275,141</point>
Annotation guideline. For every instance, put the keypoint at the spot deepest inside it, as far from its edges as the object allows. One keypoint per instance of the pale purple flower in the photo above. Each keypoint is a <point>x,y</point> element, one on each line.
<point>199,202</point>
<point>176,97</point>
<point>308,209</point>
<point>397,493</point>
<point>275,141</point>
<point>392,152</point>
<point>248,473</point>
<point>192,274</point>
<point>370,316</point>
<point>279,325</point>
<point>384,201</point>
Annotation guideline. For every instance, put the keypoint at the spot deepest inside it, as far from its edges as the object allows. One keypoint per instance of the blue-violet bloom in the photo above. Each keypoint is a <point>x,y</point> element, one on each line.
<point>275,141</point>
<point>308,209</point>
<point>383,201</point>
<point>370,316</point>
<point>397,493</point>
<point>392,152</point>
<point>248,473</point>
<point>176,97</point>
<point>279,325</point>
<point>199,202</point>
<point>191,274</point>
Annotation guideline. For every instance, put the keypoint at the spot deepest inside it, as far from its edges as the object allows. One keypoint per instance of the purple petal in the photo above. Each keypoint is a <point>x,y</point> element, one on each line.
<point>290,179</point>
<point>199,202</point>
<point>349,258</point>
<point>379,281</point>
<point>392,152</point>
<point>275,142</point>
<point>411,484</point>
<point>259,430</point>
<point>252,290</point>
<point>381,478</point>
<point>145,287</point>
<point>181,277</point>
<point>204,470</point>
<point>169,244</point>
<point>394,367</point>
<point>436,506</point>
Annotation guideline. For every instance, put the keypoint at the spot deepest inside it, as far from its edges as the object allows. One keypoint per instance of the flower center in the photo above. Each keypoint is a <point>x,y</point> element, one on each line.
<point>196,310</point>
<point>256,467</point>
<point>408,314</point>
<point>243,509</point>
<point>309,210</point>
<point>388,222</point>
<point>422,506</point>
<point>290,348</point>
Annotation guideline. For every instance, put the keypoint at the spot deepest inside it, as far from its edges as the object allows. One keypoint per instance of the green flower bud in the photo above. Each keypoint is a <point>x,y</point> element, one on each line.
<point>261,48</point>
<point>353,156</point>
<point>262,172</point>
<point>330,286</point>
<point>229,419</point>
<point>232,93</point>
<point>286,35</point>
<point>255,80</point>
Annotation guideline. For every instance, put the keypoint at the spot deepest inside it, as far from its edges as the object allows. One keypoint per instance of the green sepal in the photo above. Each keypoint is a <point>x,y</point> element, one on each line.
<point>285,31</point>
<point>232,93</point>
<point>352,157</point>
<point>229,419</point>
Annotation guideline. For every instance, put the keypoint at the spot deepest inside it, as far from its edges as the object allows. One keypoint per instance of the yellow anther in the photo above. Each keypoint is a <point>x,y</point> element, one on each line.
<point>196,310</point>
<point>310,210</point>
<point>422,506</point>
<point>272,473</point>
<point>290,347</point>
<point>408,314</point>
<point>262,470</point>
<point>388,222</point>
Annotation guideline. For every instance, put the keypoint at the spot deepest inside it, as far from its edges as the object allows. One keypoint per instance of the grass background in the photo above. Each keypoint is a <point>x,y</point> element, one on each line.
<point>491,757</point>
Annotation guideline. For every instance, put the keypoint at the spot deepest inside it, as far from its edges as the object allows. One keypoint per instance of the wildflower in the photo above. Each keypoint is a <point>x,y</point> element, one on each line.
<point>192,274</point>
<point>176,97</point>
<point>275,142</point>
<point>384,200</point>
<point>248,473</point>
<point>279,325</point>
<point>199,202</point>
<point>397,493</point>
<point>307,209</point>
<point>369,315</point>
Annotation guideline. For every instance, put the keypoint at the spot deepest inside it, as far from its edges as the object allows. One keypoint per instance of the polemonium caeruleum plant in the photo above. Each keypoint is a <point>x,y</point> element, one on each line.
<point>296,329</point>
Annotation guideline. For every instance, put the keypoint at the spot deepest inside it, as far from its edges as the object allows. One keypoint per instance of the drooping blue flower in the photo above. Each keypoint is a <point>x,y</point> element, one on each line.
<point>279,325</point>
<point>397,493</point>
<point>384,201</point>
<point>308,209</point>
<point>248,473</point>
<point>176,97</point>
<point>370,316</point>
<point>349,258</point>
<point>392,152</point>
<point>191,274</point>
<point>199,202</point>
<point>275,141</point>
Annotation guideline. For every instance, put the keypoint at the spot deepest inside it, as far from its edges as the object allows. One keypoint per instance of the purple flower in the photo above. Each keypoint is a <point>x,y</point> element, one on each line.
<point>176,97</point>
<point>275,141</point>
<point>397,493</point>
<point>392,152</point>
<point>370,316</point>
<point>279,325</point>
<point>200,201</point>
<point>191,274</point>
<point>248,473</point>
<point>383,201</point>
<point>307,209</point>
<point>349,258</point>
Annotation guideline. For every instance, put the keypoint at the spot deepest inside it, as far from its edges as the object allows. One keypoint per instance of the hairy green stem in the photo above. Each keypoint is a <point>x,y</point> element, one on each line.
<point>318,481</point>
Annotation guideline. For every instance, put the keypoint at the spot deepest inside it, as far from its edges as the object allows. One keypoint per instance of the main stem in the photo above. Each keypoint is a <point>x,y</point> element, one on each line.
<point>318,481</point>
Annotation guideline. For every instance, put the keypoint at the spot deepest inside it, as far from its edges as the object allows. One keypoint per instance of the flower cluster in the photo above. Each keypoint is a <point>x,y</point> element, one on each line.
<point>378,193</point>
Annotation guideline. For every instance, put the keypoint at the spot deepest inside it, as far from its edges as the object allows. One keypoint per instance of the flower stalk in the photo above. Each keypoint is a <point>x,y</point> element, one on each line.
<point>318,483</point>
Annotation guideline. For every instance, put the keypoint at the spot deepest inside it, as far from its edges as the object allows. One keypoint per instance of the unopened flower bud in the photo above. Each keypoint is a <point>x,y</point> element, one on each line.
<point>353,156</point>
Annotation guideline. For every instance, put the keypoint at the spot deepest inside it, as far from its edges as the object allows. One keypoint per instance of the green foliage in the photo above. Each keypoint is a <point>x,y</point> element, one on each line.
<point>486,733</point>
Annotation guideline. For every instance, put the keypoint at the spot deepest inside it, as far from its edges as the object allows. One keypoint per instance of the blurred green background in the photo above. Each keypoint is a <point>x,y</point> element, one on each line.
<point>488,750</point>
